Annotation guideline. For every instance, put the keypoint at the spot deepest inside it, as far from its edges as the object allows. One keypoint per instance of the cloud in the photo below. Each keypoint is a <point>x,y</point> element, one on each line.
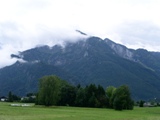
<point>140,34</point>
<point>27,23</point>
<point>15,38</point>
<point>5,56</point>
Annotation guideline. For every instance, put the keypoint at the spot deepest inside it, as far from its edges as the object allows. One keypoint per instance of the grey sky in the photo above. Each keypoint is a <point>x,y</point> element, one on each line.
<point>27,23</point>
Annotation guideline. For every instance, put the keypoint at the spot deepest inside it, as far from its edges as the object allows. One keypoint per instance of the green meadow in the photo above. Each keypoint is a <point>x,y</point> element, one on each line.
<point>8,112</point>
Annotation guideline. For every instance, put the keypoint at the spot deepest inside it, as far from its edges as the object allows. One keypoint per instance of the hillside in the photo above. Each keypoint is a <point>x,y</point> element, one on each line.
<point>87,61</point>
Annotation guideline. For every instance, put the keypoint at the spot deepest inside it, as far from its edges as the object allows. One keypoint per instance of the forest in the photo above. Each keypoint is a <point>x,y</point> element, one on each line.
<point>57,92</point>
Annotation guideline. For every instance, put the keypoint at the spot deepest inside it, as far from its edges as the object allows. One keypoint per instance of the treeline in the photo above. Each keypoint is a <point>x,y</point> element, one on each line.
<point>29,98</point>
<point>54,91</point>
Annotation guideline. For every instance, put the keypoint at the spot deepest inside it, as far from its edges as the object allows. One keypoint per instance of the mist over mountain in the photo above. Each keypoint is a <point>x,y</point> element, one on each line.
<point>84,62</point>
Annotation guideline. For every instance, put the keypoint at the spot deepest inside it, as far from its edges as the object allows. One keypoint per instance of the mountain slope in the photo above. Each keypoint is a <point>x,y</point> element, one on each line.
<point>22,78</point>
<point>142,56</point>
<point>87,61</point>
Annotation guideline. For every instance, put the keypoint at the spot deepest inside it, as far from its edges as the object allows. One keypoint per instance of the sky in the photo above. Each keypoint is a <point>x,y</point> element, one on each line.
<point>25,24</point>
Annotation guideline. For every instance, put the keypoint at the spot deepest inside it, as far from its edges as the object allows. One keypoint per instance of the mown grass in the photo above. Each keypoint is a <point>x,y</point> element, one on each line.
<point>8,112</point>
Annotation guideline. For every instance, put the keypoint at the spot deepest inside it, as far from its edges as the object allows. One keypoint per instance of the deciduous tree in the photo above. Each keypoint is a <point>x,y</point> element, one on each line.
<point>110,92</point>
<point>122,99</point>
<point>49,88</point>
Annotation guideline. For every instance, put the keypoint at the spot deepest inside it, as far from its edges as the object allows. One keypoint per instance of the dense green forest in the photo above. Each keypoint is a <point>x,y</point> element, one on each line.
<point>54,91</point>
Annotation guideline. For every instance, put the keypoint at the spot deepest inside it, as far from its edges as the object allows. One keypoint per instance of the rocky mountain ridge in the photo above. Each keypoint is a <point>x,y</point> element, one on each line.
<point>87,61</point>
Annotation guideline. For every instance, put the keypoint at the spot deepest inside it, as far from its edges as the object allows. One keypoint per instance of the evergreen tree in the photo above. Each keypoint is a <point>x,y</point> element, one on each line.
<point>67,95</point>
<point>141,103</point>
<point>101,97</point>
<point>10,97</point>
<point>80,98</point>
<point>90,92</point>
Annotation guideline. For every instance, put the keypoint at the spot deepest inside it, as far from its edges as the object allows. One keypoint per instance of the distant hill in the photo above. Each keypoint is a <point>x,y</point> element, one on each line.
<point>87,61</point>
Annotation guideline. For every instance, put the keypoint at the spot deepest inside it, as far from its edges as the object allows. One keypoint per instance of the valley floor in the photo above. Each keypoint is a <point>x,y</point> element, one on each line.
<point>32,112</point>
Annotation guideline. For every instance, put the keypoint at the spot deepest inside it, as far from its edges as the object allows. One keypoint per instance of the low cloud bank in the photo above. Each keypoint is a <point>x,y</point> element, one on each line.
<point>14,38</point>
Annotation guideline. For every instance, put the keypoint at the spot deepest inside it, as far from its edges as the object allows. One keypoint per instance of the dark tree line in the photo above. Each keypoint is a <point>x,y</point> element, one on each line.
<point>54,91</point>
<point>30,98</point>
<point>12,97</point>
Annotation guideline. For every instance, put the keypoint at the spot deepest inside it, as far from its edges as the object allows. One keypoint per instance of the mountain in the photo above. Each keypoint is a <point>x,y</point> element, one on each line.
<point>87,61</point>
<point>22,78</point>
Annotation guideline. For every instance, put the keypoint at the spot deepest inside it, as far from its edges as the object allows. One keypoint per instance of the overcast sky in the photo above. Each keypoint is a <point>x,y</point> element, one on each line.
<point>27,23</point>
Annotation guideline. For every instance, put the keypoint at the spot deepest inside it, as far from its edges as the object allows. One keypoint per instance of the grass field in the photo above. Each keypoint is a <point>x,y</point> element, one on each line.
<point>8,112</point>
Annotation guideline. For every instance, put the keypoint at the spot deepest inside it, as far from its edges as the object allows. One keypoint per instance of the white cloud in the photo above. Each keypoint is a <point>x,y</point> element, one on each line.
<point>140,34</point>
<point>27,23</point>
<point>5,55</point>
<point>14,38</point>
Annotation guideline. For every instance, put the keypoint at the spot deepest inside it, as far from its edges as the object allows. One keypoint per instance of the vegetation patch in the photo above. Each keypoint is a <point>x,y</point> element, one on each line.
<point>54,91</point>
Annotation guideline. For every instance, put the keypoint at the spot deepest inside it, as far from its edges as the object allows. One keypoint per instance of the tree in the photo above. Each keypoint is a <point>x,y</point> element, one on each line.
<point>30,98</point>
<point>110,92</point>
<point>101,97</point>
<point>122,99</point>
<point>93,102</point>
<point>67,95</point>
<point>80,97</point>
<point>49,88</point>
<point>91,95</point>
<point>10,97</point>
<point>95,96</point>
<point>16,98</point>
<point>141,103</point>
